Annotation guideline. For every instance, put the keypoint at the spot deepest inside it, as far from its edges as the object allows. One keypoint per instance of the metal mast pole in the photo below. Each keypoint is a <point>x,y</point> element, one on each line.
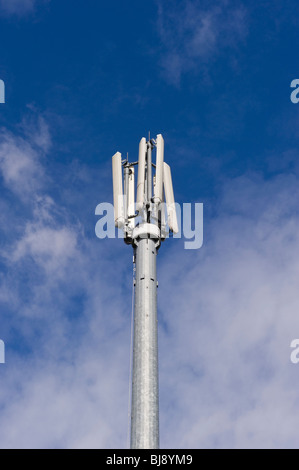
<point>145,235</point>
<point>145,393</point>
<point>145,389</point>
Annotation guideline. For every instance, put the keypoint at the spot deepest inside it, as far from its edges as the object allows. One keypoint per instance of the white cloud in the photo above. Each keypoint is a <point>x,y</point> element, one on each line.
<point>72,332</point>
<point>37,131</point>
<point>19,7</point>
<point>227,315</point>
<point>48,246</point>
<point>193,33</point>
<point>21,169</point>
<point>47,241</point>
<point>231,317</point>
<point>65,405</point>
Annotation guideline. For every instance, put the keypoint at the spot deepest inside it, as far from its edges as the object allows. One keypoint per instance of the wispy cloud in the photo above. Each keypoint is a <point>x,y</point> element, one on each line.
<point>229,322</point>
<point>193,34</point>
<point>37,130</point>
<point>20,165</point>
<point>19,7</point>
<point>227,314</point>
<point>64,326</point>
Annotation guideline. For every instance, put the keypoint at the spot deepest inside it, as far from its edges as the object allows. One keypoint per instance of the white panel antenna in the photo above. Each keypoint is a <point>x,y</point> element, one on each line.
<point>118,195</point>
<point>131,198</point>
<point>158,194</point>
<point>163,219</point>
<point>141,175</point>
<point>169,196</point>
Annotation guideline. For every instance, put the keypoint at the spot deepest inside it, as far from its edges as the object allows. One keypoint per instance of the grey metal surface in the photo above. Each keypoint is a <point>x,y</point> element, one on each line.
<point>145,387</point>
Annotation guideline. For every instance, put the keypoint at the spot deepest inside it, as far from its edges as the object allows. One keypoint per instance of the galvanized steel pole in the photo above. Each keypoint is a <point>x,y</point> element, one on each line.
<point>145,388</point>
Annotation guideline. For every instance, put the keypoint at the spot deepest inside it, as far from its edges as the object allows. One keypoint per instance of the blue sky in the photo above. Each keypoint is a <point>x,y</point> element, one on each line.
<point>83,80</point>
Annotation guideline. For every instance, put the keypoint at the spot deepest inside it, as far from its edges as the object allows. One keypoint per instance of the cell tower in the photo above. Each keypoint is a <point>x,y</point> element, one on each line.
<point>145,234</point>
